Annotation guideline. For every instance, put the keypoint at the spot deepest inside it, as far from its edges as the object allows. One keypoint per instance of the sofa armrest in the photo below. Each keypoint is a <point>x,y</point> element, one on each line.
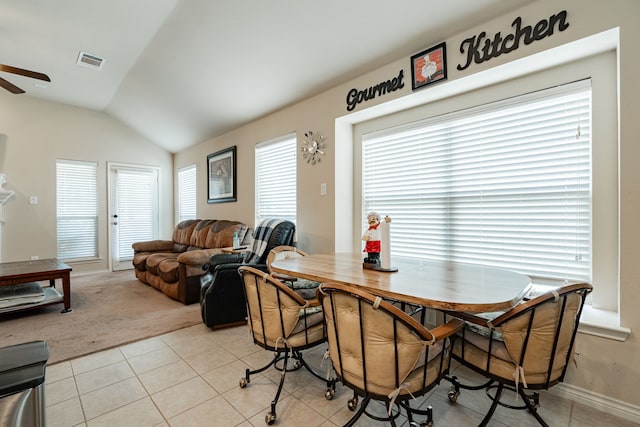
<point>153,246</point>
<point>198,257</point>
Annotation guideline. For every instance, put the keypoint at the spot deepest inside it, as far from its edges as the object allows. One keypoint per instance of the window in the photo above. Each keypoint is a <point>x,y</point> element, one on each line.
<point>187,193</point>
<point>77,210</point>
<point>507,184</point>
<point>276,179</point>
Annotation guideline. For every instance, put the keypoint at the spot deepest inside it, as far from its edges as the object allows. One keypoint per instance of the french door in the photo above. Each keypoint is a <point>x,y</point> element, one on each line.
<point>133,210</point>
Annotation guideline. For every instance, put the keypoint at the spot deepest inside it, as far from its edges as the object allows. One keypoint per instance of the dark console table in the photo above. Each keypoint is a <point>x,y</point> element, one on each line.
<point>16,273</point>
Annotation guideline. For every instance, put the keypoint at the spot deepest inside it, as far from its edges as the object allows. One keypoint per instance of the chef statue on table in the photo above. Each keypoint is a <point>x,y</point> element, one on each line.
<point>371,237</point>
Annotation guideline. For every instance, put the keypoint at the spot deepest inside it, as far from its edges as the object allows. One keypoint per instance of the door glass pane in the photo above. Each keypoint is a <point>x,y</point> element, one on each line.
<point>136,207</point>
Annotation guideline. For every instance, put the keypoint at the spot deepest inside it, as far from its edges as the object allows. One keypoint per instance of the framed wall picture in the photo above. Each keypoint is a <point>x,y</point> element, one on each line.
<point>221,173</point>
<point>429,66</point>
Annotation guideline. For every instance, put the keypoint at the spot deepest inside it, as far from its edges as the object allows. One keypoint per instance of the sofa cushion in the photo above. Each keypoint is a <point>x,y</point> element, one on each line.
<point>221,233</point>
<point>154,260</point>
<point>182,233</point>
<point>168,270</point>
<point>140,260</point>
<point>198,257</point>
<point>199,234</point>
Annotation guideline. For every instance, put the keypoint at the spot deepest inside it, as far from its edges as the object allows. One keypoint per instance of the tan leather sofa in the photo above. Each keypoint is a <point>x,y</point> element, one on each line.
<point>175,266</point>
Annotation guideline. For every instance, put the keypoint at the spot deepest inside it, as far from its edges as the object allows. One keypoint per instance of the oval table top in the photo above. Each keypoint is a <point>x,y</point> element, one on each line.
<point>435,284</point>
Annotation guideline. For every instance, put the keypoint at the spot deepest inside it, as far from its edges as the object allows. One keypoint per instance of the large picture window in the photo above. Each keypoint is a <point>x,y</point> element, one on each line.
<point>506,184</point>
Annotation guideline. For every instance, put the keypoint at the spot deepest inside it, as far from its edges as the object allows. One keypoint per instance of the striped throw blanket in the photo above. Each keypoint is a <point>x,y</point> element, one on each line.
<point>260,239</point>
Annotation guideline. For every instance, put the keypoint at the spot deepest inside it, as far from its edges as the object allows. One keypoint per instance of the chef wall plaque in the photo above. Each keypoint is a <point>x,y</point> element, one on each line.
<point>429,66</point>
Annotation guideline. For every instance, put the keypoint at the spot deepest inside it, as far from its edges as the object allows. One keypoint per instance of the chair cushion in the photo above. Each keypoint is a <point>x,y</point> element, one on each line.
<point>379,328</point>
<point>475,353</point>
<point>303,287</point>
<point>269,306</point>
<point>505,355</point>
<point>309,329</point>
<point>540,344</point>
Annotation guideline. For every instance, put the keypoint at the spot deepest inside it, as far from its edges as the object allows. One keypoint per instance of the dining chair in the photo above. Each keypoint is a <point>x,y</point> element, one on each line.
<point>526,348</point>
<point>382,353</point>
<point>283,322</point>
<point>303,287</point>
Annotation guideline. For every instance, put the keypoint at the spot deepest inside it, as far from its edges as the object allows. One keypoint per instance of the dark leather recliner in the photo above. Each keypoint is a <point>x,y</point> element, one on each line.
<point>222,300</point>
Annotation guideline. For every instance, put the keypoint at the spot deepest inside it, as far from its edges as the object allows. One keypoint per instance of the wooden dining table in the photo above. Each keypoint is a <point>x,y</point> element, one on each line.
<point>435,284</point>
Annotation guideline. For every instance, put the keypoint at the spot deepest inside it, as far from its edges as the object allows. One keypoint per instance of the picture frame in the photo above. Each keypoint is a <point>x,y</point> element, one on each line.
<point>429,66</point>
<point>221,176</point>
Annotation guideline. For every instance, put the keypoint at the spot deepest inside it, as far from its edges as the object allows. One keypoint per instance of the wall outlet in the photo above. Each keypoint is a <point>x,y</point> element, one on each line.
<point>34,257</point>
<point>33,200</point>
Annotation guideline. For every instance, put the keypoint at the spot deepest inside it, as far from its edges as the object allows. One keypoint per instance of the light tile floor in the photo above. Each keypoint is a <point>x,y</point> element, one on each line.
<point>191,378</point>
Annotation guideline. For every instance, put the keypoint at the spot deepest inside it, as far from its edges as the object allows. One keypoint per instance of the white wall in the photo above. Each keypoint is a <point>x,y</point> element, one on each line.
<point>605,367</point>
<point>33,134</point>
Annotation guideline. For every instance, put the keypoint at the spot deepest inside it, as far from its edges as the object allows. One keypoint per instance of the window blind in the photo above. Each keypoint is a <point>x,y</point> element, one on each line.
<point>76,210</point>
<point>136,207</point>
<point>187,193</point>
<point>506,185</point>
<point>276,179</point>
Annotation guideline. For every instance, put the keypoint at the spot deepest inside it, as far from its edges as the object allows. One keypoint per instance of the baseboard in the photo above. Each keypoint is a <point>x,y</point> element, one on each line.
<point>597,401</point>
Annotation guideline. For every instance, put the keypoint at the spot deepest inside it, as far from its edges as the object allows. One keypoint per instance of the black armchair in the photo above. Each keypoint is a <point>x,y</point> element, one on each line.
<point>222,300</point>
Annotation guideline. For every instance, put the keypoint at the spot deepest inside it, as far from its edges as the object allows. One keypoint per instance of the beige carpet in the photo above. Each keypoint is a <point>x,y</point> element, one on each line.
<point>108,310</point>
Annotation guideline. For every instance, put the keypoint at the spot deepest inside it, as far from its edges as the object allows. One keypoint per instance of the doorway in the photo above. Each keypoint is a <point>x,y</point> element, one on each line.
<point>133,210</point>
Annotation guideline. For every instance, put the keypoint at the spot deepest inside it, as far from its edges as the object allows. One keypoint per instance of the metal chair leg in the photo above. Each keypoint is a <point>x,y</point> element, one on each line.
<point>533,407</point>
<point>271,416</point>
<point>494,405</point>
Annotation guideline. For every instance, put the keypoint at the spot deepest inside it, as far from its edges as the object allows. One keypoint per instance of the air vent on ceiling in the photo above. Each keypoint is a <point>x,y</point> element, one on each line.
<point>90,61</point>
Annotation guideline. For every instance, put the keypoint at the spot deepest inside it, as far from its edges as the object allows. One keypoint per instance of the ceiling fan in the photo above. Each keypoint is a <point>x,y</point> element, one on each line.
<point>22,72</point>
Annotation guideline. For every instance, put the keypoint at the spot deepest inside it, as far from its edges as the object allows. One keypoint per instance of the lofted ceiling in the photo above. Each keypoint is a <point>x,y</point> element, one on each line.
<point>182,71</point>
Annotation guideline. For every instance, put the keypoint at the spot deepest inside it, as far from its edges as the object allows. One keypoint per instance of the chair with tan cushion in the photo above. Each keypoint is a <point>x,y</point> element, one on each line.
<point>382,353</point>
<point>283,322</point>
<point>303,287</point>
<point>527,347</point>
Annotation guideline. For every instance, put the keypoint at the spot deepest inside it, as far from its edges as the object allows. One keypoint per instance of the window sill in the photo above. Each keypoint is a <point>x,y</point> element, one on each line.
<point>602,323</point>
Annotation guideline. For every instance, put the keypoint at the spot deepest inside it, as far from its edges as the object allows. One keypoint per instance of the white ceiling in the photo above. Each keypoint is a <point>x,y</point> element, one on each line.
<point>183,71</point>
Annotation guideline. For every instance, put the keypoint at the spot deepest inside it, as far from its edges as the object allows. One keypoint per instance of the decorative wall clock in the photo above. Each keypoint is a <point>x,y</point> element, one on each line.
<point>313,147</point>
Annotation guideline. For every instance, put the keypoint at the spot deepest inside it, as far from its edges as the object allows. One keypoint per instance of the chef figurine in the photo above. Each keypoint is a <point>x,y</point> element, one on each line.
<point>372,238</point>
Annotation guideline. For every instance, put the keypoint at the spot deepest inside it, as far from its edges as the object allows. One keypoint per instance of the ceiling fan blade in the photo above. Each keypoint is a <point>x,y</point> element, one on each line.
<point>10,86</point>
<point>23,72</point>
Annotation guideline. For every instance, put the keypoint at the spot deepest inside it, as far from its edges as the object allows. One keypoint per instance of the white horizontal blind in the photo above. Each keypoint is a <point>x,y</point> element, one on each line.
<point>76,210</point>
<point>276,179</point>
<point>187,193</point>
<point>136,207</point>
<point>505,185</point>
